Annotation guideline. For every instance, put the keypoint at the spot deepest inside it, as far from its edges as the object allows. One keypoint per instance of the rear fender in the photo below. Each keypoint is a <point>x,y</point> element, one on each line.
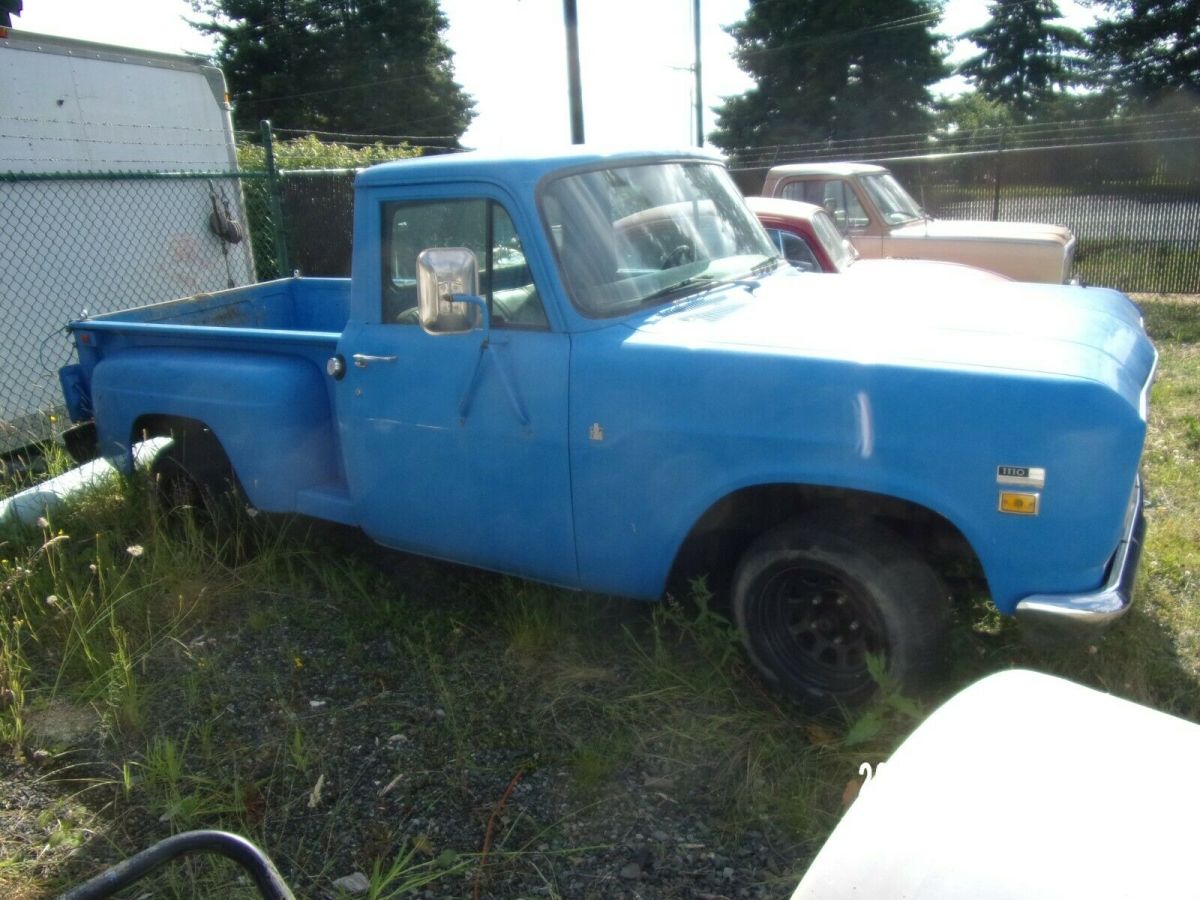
<point>270,413</point>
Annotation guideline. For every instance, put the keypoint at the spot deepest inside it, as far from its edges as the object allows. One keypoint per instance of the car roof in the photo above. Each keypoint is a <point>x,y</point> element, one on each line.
<point>783,209</point>
<point>826,168</point>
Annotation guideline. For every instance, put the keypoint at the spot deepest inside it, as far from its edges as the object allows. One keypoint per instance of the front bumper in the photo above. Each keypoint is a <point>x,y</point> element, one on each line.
<point>1097,609</point>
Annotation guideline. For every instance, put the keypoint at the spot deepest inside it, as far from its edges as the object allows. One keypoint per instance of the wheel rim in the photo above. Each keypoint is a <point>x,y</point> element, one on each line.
<point>818,626</point>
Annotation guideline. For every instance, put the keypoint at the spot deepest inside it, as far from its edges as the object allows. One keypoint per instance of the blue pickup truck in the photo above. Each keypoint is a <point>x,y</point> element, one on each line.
<point>594,370</point>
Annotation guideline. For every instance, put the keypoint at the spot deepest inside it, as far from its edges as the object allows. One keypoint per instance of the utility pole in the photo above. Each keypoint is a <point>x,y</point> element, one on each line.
<point>574,87</point>
<point>699,81</point>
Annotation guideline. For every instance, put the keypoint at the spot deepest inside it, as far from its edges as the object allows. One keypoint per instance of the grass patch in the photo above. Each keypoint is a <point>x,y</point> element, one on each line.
<point>1139,265</point>
<point>354,710</point>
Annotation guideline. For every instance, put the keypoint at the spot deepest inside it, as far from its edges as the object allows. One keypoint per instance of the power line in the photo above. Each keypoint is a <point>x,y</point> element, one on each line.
<point>834,36</point>
<point>381,137</point>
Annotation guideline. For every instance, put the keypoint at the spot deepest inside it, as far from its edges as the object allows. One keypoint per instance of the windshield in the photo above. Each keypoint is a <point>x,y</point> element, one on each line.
<point>895,205</point>
<point>839,248</point>
<point>646,234</point>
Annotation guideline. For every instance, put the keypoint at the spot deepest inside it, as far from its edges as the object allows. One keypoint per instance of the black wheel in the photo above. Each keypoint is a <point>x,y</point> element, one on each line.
<point>813,601</point>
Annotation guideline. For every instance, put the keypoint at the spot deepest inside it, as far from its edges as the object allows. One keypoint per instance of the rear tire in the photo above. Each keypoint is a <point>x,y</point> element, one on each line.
<point>813,600</point>
<point>193,471</point>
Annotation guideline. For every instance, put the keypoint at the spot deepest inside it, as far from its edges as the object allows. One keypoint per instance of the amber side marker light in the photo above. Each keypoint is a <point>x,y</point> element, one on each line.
<point>1019,503</point>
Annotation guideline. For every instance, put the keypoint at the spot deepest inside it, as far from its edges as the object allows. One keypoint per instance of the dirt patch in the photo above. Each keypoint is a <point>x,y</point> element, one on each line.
<point>61,723</point>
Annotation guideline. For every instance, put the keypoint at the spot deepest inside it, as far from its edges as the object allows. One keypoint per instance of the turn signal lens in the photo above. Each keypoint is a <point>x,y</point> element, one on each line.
<point>1018,503</point>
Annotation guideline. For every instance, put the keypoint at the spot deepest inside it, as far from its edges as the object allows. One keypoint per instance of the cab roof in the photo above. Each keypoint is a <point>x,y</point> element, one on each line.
<point>515,167</point>
<point>842,169</point>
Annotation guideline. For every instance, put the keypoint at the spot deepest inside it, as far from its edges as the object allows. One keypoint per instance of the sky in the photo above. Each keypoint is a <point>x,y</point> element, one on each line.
<point>635,59</point>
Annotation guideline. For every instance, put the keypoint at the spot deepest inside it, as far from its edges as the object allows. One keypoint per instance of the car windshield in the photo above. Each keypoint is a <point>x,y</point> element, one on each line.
<point>894,202</point>
<point>839,248</point>
<point>641,235</point>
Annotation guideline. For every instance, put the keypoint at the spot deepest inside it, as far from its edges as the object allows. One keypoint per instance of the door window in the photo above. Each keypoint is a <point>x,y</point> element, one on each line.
<point>482,226</point>
<point>795,250</point>
<point>834,195</point>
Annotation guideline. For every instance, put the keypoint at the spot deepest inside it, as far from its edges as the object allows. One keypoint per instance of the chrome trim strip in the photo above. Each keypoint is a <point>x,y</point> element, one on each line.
<point>1100,608</point>
<point>1144,397</point>
<point>1069,259</point>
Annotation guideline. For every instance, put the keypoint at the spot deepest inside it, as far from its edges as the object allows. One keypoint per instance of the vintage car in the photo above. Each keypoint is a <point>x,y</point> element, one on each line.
<point>1022,786</point>
<point>808,239</point>
<point>870,206</point>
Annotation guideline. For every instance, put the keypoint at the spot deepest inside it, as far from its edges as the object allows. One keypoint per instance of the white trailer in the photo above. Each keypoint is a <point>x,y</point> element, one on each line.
<point>76,235</point>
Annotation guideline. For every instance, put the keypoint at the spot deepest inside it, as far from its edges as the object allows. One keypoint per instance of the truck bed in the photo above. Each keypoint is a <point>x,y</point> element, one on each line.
<point>315,306</point>
<point>248,362</point>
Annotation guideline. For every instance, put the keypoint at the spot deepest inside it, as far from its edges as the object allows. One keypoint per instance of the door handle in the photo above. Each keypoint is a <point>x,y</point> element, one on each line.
<point>362,360</point>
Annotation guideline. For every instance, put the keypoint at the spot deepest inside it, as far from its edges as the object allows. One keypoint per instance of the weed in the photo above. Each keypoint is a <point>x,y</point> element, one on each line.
<point>890,710</point>
<point>13,669</point>
<point>298,752</point>
<point>598,758</point>
<point>402,875</point>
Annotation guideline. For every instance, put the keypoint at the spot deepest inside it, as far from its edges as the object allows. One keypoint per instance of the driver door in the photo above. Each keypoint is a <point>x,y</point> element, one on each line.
<point>455,449</point>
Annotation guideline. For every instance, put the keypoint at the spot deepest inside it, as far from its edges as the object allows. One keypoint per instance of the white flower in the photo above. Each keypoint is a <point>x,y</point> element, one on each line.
<point>43,522</point>
<point>135,550</point>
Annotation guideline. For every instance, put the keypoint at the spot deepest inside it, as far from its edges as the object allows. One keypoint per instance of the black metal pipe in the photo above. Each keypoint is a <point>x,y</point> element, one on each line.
<point>574,85</point>
<point>266,877</point>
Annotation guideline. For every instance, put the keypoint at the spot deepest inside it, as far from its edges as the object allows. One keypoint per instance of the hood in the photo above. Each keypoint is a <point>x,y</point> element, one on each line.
<point>971,230</point>
<point>918,272</point>
<point>1030,330</point>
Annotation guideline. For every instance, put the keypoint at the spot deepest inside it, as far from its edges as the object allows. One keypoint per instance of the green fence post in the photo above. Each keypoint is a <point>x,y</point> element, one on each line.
<point>276,202</point>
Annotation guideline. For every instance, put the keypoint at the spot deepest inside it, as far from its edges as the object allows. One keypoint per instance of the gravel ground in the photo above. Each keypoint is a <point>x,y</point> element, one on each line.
<point>335,747</point>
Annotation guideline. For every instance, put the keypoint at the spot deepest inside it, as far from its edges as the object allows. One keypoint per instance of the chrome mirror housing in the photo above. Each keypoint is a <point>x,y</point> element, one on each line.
<point>443,272</point>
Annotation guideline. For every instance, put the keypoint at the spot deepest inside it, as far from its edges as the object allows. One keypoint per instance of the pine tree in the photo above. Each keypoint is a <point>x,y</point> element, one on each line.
<point>1150,49</point>
<point>832,69</point>
<point>355,66</point>
<point>1025,55</point>
<point>8,9</point>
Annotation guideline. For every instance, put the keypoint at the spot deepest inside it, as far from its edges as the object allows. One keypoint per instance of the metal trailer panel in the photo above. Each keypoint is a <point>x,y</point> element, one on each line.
<point>95,242</point>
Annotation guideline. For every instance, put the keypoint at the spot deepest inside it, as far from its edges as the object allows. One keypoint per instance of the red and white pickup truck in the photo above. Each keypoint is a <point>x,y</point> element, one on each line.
<point>882,220</point>
<point>810,241</point>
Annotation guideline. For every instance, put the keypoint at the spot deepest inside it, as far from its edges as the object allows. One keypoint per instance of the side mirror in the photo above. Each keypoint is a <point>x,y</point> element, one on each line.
<point>443,272</point>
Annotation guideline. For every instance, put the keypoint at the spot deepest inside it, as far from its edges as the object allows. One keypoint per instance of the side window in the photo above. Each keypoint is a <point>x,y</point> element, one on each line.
<point>483,227</point>
<point>795,250</point>
<point>798,253</point>
<point>834,195</point>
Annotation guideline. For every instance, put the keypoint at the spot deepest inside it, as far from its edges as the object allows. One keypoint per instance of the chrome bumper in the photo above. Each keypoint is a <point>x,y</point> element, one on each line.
<point>1100,608</point>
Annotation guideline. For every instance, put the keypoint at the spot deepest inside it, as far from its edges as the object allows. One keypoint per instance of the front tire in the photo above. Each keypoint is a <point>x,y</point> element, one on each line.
<point>813,601</point>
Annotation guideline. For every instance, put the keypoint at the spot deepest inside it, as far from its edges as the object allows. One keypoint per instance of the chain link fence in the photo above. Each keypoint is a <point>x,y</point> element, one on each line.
<point>78,244</point>
<point>1129,189</point>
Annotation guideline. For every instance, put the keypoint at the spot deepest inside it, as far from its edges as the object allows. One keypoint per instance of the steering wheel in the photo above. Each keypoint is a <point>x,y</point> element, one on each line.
<point>684,253</point>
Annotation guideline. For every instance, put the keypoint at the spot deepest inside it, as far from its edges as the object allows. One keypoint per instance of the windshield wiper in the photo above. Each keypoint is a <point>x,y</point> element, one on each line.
<point>685,284</point>
<point>769,264</point>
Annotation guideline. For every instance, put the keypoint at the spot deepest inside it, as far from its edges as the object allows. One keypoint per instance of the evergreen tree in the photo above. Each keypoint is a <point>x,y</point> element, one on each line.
<point>356,66</point>
<point>1149,49</point>
<point>832,69</point>
<point>1025,55</point>
<point>971,113</point>
<point>8,9</point>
